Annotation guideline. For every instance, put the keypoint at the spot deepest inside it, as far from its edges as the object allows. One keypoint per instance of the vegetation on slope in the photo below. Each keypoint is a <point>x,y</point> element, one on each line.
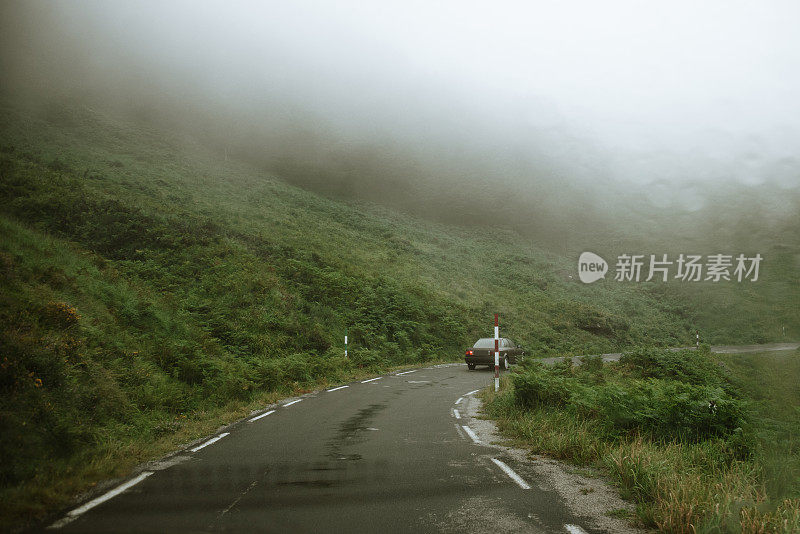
<point>150,287</point>
<point>701,442</point>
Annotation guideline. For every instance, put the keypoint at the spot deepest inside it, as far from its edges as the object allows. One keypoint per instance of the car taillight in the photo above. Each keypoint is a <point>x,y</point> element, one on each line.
<point>469,352</point>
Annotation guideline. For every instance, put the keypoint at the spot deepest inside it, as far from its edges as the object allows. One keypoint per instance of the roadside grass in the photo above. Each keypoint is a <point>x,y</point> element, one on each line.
<point>742,475</point>
<point>55,485</point>
<point>86,398</point>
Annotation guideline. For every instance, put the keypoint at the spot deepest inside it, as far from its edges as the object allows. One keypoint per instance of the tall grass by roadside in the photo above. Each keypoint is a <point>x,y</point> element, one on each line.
<point>700,443</point>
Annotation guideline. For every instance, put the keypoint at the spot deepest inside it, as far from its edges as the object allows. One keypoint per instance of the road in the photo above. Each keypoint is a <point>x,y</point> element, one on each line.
<point>389,455</point>
<point>718,349</point>
<point>397,453</point>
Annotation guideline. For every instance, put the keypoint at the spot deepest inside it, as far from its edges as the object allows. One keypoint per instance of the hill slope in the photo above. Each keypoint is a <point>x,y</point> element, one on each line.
<point>151,288</point>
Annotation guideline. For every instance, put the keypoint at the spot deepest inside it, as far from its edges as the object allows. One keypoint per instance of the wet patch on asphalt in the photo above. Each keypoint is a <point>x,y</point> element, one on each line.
<point>352,432</point>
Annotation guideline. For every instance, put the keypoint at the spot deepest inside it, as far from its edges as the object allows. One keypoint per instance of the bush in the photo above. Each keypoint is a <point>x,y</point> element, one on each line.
<point>267,374</point>
<point>296,368</point>
<point>596,321</point>
<point>60,315</point>
<point>667,410</point>
<point>367,359</point>
<point>540,386</point>
<point>692,367</point>
<point>592,364</point>
<point>661,408</point>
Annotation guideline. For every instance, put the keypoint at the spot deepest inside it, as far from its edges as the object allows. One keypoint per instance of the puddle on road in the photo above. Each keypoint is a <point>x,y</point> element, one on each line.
<point>352,432</point>
<point>336,471</point>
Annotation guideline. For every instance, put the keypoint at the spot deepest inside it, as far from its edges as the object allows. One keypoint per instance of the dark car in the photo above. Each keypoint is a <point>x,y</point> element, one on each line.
<point>482,353</point>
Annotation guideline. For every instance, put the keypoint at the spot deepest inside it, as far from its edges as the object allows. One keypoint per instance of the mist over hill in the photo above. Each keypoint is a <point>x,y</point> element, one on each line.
<point>340,100</point>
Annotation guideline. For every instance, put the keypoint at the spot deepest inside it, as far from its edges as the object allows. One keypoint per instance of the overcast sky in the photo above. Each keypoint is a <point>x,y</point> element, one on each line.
<point>668,92</point>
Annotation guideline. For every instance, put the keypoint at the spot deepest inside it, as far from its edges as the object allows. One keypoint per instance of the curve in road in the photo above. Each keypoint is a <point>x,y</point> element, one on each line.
<point>388,454</point>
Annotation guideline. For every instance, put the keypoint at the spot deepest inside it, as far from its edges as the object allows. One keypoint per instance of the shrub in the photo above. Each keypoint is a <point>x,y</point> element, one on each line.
<point>540,386</point>
<point>296,368</point>
<point>668,409</point>
<point>592,364</point>
<point>692,367</point>
<point>596,321</point>
<point>367,358</point>
<point>60,315</point>
<point>267,374</point>
<point>662,408</point>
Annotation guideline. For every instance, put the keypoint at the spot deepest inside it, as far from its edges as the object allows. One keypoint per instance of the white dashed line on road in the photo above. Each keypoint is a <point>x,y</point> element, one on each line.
<point>293,402</point>
<point>455,412</point>
<point>337,389</point>
<point>471,433</point>
<point>371,379</point>
<point>459,400</point>
<point>515,477</point>
<point>406,372</point>
<point>215,439</point>
<point>471,392</point>
<point>100,500</point>
<point>256,418</point>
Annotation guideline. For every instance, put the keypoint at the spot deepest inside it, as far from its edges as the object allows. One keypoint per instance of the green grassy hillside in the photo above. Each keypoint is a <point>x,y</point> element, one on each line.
<point>150,288</point>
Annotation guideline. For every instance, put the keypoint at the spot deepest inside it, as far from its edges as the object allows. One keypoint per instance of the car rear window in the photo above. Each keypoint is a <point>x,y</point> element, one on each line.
<point>484,343</point>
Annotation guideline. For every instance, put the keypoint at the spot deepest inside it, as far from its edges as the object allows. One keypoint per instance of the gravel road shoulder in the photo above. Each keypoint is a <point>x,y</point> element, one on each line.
<point>584,491</point>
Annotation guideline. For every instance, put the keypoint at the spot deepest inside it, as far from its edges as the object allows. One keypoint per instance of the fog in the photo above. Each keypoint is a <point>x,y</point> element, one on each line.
<point>544,114</point>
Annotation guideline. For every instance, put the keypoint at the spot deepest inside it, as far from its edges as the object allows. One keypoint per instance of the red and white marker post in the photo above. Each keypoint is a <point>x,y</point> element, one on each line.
<point>496,352</point>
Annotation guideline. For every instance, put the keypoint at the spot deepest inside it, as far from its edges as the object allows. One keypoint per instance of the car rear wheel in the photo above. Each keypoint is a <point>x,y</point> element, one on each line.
<point>471,366</point>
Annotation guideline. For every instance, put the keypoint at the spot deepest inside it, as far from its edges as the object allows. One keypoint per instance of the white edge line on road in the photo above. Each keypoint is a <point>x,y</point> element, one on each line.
<point>371,379</point>
<point>455,412</point>
<point>256,418</point>
<point>293,402</point>
<point>406,372</point>
<point>515,477</point>
<point>340,387</point>
<point>99,500</point>
<point>209,442</point>
<point>459,400</point>
<point>471,392</point>
<point>471,434</point>
<point>574,529</point>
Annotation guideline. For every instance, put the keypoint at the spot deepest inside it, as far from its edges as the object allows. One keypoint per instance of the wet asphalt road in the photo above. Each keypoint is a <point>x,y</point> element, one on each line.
<point>382,456</point>
<point>387,455</point>
<point>717,349</point>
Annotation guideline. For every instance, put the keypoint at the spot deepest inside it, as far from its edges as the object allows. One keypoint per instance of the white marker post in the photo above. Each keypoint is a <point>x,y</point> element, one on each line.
<point>697,342</point>
<point>496,352</point>
<point>345,342</point>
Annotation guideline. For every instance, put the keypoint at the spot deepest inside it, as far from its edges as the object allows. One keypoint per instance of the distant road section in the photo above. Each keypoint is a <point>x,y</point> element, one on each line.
<point>718,349</point>
<point>736,349</point>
